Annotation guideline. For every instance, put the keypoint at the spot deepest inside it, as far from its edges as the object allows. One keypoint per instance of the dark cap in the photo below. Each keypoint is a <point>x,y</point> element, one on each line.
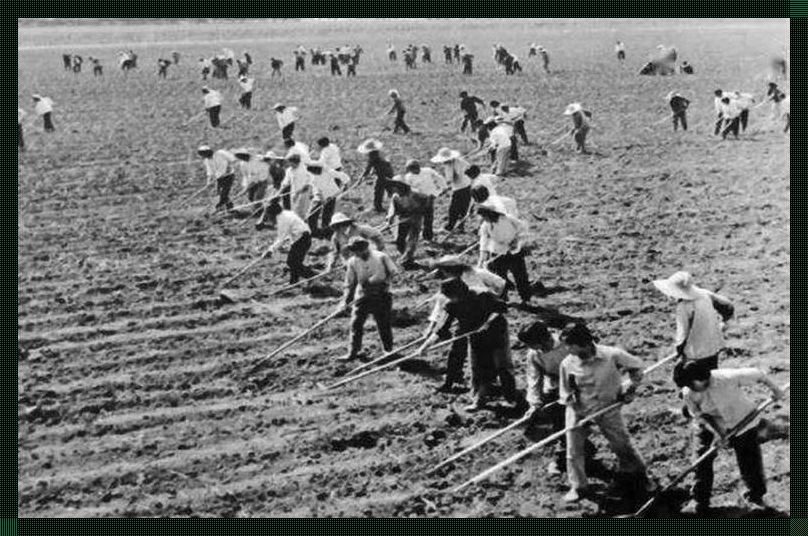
<point>535,333</point>
<point>577,334</point>
<point>686,372</point>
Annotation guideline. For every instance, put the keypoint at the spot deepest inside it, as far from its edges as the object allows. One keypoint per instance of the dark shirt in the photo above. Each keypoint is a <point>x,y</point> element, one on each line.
<point>471,313</point>
<point>679,104</point>
<point>469,105</point>
<point>382,168</point>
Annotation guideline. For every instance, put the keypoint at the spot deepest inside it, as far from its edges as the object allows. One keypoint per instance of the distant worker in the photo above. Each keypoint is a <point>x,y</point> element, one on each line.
<point>213,105</point>
<point>678,106</point>
<point>43,106</point>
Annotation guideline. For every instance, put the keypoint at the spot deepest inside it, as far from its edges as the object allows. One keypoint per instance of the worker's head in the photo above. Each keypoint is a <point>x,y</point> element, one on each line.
<point>537,337</point>
<point>454,289</point>
<point>464,94</point>
<point>505,108</point>
<point>691,374</point>
<point>242,154</point>
<point>488,214</point>
<point>473,171</point>
<point>494,104</point>
<point>725,100</point>
<point>293,159</point>
<point>204,151</point>
<point>272,210</point>
<point>718,92</point>
<point>579,340</point>
<point>288,143</point>
<point>393,94</point>
<point>413,166</point>
<point>205,90</point>
<point>359,247</point>
<point>323,142</point>
<point>480,194</point>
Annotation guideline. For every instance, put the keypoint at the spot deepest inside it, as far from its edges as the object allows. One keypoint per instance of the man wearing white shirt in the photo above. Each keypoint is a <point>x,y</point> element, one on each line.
<point>719,110</point>
<point>326,184</point>
<point>205,67</point>
<point>254,174</point>
<point>480,194</point>
<point>20,140</point>
<point>744,102</point>
<point>486,180</point>
<point>298,182</point>
<point>501,241</point>
<point>430,183</point>
<point>499,141</point>
<point>517,114</point>
<point>454,171</point>
<point>286,117</point>
<point>620,50</point>
<point>731,111</point>
<point>219,167</point>
<point>291,228</point>
<point>213,105</point>
<point>329,154</point>
<point>247,85</point>
<point>43,106</point>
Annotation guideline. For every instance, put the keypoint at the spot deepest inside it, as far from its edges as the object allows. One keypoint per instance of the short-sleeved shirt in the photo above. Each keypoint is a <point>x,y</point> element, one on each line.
<point>253,171</point>
<point>427,181</point>
<point>43,106</point>
<point>213,98</point>
<point>330,157</point>
<point>220,164</point>
<point>500,137</point>
<point>598,379</point>
<point>286,117</point>
<point>504,236</point>
<point>290,227</point>
<point>724,400</point>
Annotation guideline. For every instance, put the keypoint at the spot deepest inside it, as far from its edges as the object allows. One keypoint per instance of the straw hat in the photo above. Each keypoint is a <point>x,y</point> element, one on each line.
<point>575,107</point>
<point>278,106</point>
<point>272,155</point>
<point>445,155</point>
<point>204,149</point>
<point>241,151</point>
<point>340,219</point>
<point>369,146</point>
<point>679,286</point>
<point>671,95</point>
<point>393,93</point>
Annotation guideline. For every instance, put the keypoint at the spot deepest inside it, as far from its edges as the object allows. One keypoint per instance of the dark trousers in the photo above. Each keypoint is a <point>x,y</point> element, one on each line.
<point>459,207</point>
<point>47,120</point>
<point>515,264</point>
<point>20,138</point>
<point>256,191</point>
<point>456,360</point>
<point>621,55</point>
<point>514,148</point>
<point>519,130</point>
<point>379,189</point>
<point>98,70</point>
<point>288,131</point>
<point>750,463</point>
<point>300,64</point>
<point>223,186</point>
<point>733,127</point>
<point>679,117</point>
<point>490,359</point>
<point>381,307</point>
<point>429,219</point>
<point>580,139</point>
<point>469,120</point>
<point>400,124</point>
<point>286,198</point>
<point>351,70</point>
<point>744,119</point>
<point>213,114</point>
<point>246,100</point>
<point>297,256</point>
<point>323,215</point>
<point>407,239</point>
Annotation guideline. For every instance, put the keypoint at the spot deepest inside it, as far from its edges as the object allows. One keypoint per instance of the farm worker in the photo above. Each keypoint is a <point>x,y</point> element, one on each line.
<point>686,68</point>
<point>501,246</point>
<point>580,124</point>
<point>430,183</point>
<point>454,171</point>
<point>468,63</point>
<point>532,49</point>
<point>298,181</point>
<point>483,133</point>
<point>399,110</point>
<point>98,69</point>
<point>370,272</point>
<point>479,279</point>
<point>731,112</point>
<point>391,52</point>
<point>219,167</point>
<point>175,56</point>
<point>254,174</point>
<point>277,169</point>
<point>780,104</point>
<point>20,139</point>
<point>545,58</point>
<point>699,314</point>
<point>299,147</point>
<point>293,229</point>
<point>329,154</point>
<point>478,178</point>
<point>205,66</point>
<point>500,143</point>
<point>162,67</point>
<point>719,110</point>
<point>43,106</point>
<point>678,106</point>
<point>744,101</point>
<point>620,50</point>
<point>481,194</point>
<point>490,348</point>
<point>468,104</point>
<point>247,85</point>
<point>543,360</point>
<point>286,118</point>
<point>327,184</point>
<point>517,115</point>
<point>213,105</point>
<point>590,379</point>
<point>718,403</point>
<point>381,167</point>
<point>343,229</point>
<point>409,208</point>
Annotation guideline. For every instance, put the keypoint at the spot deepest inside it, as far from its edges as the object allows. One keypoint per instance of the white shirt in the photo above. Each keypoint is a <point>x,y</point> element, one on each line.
<point>286,117</point>
<point>297,179</point>
<point>247,85</point>
<point>213,98</point>
<point>300,148</point>
<point>516,113</point>
<point>620,47</point>
<point>502,237</point>
<point>455,173</point>
<point>324,185</point>
<point>719,106</point>
<point>500,137</point>
<point>330,157</point>
<point>724,400</point>
<point>744,100</point>
<point>219,164</point>
<point>290,227</point>
<point>205,63</point>
<point>731,110</point>
<point>427,182</point>
<point>488,180</point>
<point>43,106</point>
<point>253,171</point>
